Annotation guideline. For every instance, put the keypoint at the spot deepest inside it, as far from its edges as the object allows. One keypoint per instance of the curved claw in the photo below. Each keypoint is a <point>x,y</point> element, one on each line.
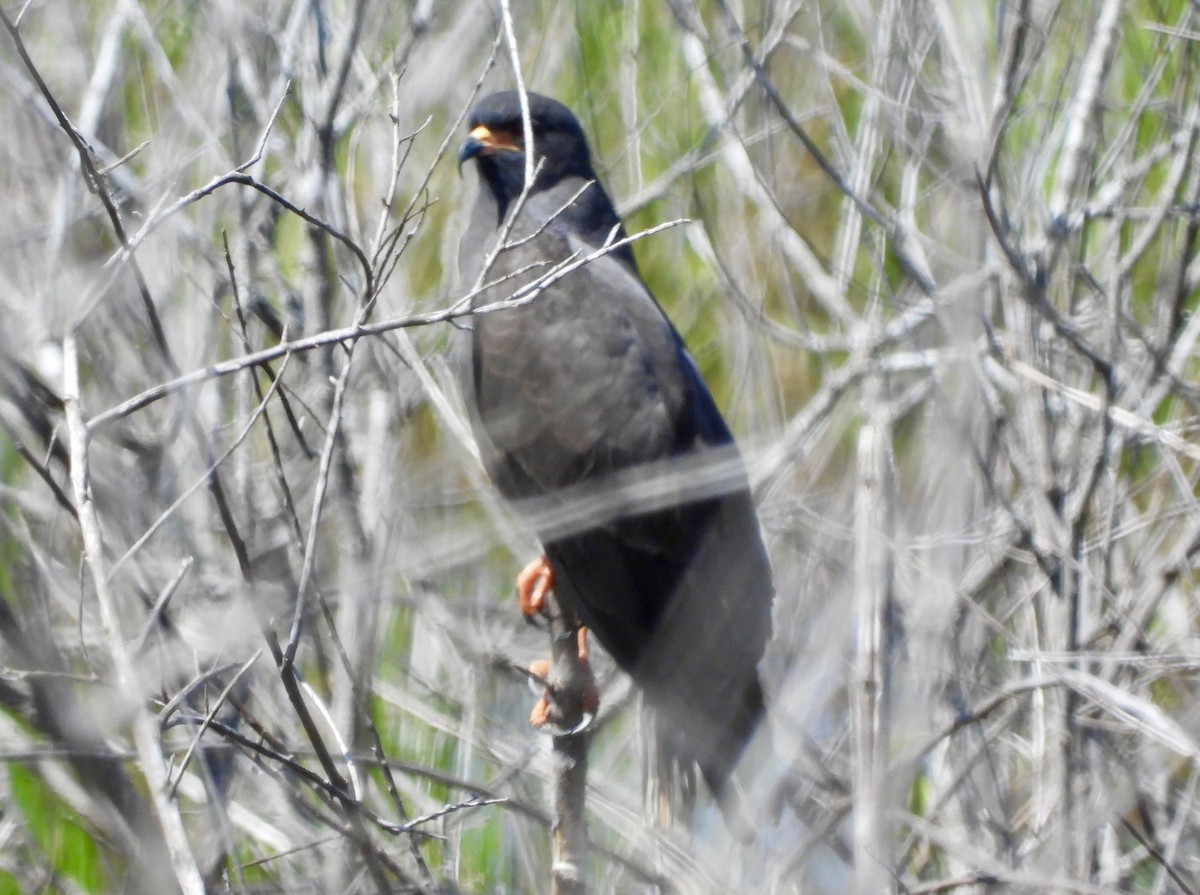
<point>533,585</point>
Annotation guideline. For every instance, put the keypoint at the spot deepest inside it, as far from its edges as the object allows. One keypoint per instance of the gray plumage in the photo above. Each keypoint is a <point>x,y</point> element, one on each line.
<point>583,400</point>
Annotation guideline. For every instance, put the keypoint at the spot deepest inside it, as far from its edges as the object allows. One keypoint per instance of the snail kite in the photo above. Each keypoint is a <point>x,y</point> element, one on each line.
<point>593,420</point>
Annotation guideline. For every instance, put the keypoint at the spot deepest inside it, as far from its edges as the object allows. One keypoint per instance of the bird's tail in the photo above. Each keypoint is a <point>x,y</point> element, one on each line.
<point>688,741</point>
<point>720,768</point>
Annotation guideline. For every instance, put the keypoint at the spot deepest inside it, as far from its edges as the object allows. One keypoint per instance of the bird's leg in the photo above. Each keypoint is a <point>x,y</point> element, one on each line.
<point>541,713</point>
<point>533,584</point>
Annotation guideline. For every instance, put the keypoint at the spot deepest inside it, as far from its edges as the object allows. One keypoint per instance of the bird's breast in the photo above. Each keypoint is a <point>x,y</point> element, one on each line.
<point>570,387</point>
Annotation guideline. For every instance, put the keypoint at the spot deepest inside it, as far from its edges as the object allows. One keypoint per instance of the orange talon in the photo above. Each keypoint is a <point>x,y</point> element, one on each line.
<point>591,694</point>
<point>540,715</point>
<point>541,709</point>
<point>533,584</point>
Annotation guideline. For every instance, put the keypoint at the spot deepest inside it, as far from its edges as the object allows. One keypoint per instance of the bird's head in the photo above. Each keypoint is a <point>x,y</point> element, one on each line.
<point>497,144</point>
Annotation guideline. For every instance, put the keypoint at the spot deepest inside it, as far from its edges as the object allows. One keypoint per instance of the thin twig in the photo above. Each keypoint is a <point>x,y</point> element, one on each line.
<point>460,308</point>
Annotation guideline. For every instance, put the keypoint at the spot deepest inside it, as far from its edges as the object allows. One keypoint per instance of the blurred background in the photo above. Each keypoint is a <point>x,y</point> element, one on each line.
<point>257,612</point>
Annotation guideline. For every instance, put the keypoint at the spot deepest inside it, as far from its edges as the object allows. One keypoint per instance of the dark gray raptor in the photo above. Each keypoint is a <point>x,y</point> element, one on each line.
<point>592,418</point>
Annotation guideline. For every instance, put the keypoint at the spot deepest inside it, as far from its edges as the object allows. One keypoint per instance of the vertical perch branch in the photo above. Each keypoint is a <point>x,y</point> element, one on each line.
<point>872,579</point>
<point>568,685</point>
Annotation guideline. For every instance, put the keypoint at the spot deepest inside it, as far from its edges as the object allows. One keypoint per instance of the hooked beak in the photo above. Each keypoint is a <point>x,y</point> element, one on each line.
<point>483,141</point>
